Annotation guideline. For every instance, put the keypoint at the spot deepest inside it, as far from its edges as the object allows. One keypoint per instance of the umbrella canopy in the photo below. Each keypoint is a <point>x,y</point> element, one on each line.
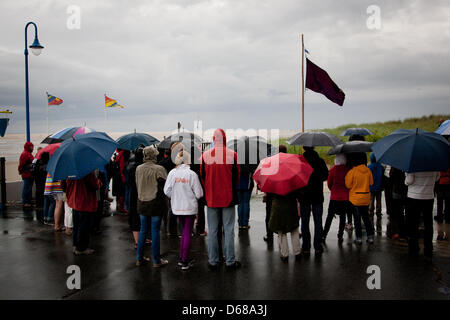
<point>79,156</point>
<point>282,173</point>
<point>191,143</point>
<point>65,134</point>
<point>351,147</point>
<point>51,148</point>
<point>250,150</point>
<point>186,138</point>
<point>360,131</point>
<point>132,141</point>
<point>444,128</point>
<point>413,151</point>
<point>314,139</point>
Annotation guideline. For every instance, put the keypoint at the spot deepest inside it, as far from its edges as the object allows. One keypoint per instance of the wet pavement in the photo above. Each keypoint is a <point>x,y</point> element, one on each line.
<point>34,259</point>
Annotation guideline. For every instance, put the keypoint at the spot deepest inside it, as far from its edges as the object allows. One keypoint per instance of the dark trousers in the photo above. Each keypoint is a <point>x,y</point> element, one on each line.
<point>388,197</point>
<point>200,226</point>
<point>220,237</point>
<point>174,228</point>
<point>96,218</point>
<point>362,212</point>
<point>443,203</point>
<point>39,195</point>
<point>350,215</point>
<point>397,224</point>
<point>80,231</point>
<point>244,207</point>
<point>415,208</point>
<point>375,204</point>
<point>269,232</point>
<point>340,208</point>
<point>305,214</point>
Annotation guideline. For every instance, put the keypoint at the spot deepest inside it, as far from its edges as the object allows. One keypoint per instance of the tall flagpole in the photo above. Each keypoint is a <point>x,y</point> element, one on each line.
<point>303,86</point>
<point>105,114</point>
<point>47,114</point>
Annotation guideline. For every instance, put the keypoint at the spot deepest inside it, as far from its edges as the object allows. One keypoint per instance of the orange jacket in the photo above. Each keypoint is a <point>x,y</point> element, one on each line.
<point>358,180</point>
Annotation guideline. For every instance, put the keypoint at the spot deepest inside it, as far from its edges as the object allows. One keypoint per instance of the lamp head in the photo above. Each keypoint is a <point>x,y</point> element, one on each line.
<point>36,47</point>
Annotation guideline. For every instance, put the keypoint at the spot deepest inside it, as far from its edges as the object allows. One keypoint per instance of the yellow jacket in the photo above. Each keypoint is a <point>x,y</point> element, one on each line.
<point>358,180</point>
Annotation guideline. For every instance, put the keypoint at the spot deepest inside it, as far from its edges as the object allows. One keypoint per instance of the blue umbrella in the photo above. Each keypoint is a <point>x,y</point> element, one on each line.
<point>360,131</point>
<point>79,156</point>
<point>413,151</point>
<point>66,133</point>
<point>132,141</point>
<point>444,128</point>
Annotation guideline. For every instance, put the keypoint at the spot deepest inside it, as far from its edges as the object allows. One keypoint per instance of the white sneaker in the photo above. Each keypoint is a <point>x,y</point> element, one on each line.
<point>161,264</point>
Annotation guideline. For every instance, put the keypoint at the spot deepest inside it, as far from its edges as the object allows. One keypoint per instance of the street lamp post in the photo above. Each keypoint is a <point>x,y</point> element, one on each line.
<point>36,49</point>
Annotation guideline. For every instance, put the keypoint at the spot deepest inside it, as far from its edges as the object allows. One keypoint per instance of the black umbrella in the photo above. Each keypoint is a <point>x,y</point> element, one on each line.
<point>250,151</point>
<point>360,131</point>
<point>184,137</point>
<point>314,139</point>
<point>351,147</point>
<point>192,143</point>
<point>133,140</point>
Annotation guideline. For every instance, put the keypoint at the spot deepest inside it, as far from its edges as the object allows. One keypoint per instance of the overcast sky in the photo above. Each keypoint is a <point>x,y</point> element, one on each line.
<point>232,64</point>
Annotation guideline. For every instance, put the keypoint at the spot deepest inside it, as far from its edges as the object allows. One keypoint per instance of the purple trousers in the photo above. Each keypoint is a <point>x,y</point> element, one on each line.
<point>187,223</point>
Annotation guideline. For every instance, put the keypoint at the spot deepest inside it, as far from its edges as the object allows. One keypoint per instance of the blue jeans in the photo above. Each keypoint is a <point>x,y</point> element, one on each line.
<point>213,228</point>
<point>49,208</point>
<point>305,214</point>
<point>244,207</point>
<point>27,190</point>
<point>156,226</point>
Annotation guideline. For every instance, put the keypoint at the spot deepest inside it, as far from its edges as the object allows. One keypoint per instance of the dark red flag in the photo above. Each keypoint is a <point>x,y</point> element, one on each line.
<point>319,81</point>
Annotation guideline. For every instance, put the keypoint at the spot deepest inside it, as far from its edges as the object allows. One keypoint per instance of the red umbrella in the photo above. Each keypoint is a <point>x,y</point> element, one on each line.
<point>51,148</point>
<point>282,173</point>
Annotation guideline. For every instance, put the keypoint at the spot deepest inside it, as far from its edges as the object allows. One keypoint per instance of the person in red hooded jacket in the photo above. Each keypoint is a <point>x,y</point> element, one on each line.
<point>82,198</point>
<point>219,172</point>
<point>25,165</point>
<point>443,197</point>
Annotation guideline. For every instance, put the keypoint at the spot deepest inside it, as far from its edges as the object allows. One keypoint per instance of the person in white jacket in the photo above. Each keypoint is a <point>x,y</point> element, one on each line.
<point>184,189</point>
<point>420,201</point>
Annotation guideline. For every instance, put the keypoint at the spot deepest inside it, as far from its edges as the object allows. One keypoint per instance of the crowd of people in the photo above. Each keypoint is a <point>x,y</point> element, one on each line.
<point>166,190</point>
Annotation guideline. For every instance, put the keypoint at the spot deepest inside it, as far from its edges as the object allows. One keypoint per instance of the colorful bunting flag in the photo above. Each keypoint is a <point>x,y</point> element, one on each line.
<point>53,101</point>
<point>111,103</point>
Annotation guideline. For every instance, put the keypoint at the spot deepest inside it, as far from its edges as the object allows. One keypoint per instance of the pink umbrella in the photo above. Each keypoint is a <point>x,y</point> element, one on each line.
<point>282,173</point>
<point>51,148</point>
<point>65,134</point>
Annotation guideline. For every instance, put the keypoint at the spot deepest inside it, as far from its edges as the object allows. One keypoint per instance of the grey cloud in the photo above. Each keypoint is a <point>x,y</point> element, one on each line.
<point>230,63</point>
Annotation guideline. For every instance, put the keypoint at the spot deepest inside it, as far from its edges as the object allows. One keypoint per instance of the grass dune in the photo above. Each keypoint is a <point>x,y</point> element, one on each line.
<point>380,130</point>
